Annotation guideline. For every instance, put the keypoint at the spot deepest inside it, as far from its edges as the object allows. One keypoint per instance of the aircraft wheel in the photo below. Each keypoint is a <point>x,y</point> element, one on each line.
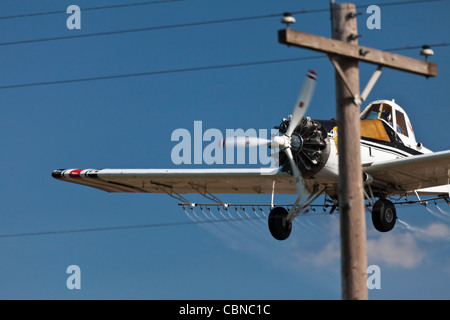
<point>384,215</point>
<point>279,226</point>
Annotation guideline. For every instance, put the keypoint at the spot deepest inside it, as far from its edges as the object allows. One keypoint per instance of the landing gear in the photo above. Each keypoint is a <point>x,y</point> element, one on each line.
<point>279,225</point>
<point>383,215</point>
<point>280,220</point>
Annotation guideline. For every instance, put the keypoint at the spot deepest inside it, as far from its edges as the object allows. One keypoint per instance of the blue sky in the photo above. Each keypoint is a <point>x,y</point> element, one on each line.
<point>128,122</point>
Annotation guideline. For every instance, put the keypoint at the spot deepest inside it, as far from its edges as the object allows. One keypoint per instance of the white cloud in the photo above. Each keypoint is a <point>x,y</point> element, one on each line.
<point>395,250</point>
<point>436,231</point>
<point>318,253</point>
<point>325,257</point>
<point>404,247</point>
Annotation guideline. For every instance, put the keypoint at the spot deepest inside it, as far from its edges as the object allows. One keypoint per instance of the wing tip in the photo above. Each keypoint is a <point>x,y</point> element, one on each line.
<point>312,74</point>
<point>57,174</point>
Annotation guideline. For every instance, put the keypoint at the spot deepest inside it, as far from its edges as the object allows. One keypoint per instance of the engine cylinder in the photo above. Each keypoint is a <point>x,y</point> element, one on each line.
<point>309,146</point>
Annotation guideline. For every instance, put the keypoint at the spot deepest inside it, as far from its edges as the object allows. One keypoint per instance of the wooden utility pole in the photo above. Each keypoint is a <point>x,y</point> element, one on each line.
<point>345,53</point>
<point>351,196</point>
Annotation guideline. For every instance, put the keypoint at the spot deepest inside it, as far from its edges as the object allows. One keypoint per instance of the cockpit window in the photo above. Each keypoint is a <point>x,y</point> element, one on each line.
<point>372,113</point>
<point>401,124</point>
<point>386,113</point>
<point>383,111</point>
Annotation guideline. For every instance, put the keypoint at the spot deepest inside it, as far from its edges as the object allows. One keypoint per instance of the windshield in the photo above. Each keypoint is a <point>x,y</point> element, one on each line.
<point>372,113</point>
<point>381,111</point>
<point>386,113</point>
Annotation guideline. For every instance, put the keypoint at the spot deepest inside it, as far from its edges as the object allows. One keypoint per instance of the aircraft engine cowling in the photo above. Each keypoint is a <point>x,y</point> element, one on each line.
<point>310,147</point>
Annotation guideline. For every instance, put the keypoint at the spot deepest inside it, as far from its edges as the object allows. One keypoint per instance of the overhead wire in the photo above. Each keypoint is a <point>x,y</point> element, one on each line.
<point>146,3</point>
<point>399,3</point>
<point>435,45</point>
<point>196,221</point>
<point>143,226</point>
<point>192,69</point>
<point>180,25</point>
<point>114,32</point>
<point>35,14</point>
<point>151,73</point>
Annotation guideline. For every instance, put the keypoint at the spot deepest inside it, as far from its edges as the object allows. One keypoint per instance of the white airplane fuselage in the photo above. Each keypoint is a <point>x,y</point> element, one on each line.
<point>379,140</point>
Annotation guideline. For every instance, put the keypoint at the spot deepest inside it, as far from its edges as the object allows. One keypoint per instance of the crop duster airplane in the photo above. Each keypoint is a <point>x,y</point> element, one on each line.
<point>393,164</point>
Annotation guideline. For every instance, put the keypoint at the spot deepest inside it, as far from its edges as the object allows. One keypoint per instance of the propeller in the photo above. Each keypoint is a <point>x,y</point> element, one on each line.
<point>284,142</point>
<point>300,108</point>
<point>297,176</point>
<point>303,101</point>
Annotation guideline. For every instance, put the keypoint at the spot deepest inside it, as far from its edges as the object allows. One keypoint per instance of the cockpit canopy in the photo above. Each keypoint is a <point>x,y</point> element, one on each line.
<point>394,116</point>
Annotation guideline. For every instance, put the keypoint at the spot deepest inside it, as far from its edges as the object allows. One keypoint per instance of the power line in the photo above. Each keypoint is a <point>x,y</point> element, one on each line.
<point>183,25</point>
<point>151,73</point>
<point>172,26</point>
<point>399,3</point>
<point>442,44</point>
<point>144,226</point>
<point>182,70</point>
<point>146,3</point>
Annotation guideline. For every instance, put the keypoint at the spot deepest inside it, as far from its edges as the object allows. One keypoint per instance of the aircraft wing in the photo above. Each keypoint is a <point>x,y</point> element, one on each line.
<point>413,173</point>
<point>182,181</point>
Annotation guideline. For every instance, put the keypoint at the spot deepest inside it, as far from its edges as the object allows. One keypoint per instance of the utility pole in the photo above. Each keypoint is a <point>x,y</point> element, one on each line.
<point>344,53</point>
<point>351,196</point>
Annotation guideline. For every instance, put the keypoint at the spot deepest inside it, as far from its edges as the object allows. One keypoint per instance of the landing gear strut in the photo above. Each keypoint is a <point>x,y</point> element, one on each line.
<point>279,225</point>
<point>280,220</point>
<point>384,215</point>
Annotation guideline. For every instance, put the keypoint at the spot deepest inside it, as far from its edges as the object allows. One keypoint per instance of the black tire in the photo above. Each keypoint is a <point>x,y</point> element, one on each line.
<point>384,215</point>
<point>279,226</point>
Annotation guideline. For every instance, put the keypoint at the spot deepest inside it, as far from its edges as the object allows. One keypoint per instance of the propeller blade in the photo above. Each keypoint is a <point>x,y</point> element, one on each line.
<point>303,100</point>
<point>297,175</point>
<point>244,142</point>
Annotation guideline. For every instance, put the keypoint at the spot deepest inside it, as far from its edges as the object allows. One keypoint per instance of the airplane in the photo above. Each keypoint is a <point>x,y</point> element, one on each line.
<point>393,164</point>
